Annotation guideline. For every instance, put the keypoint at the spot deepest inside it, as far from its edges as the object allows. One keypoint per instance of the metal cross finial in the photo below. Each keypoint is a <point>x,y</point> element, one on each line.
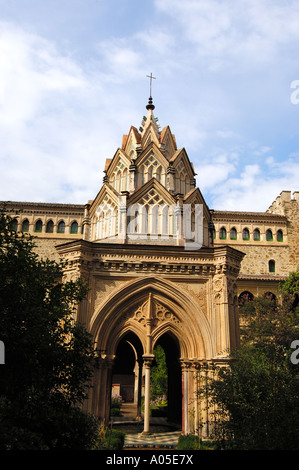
<point>151,78</point>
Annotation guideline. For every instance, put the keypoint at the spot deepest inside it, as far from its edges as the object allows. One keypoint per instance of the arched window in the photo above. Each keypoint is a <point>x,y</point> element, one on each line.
<point>50,226</point>
<point>233,234</point>
<point>245,297</point>
<point>14,225</point>
<point>246,235</point>
<point>279,236</point>
<point>222,233</point>
<point>74,227</point>
<point>270,296</point>
<point>38,226</point>
<point>256,235</point>
<point>25,225</point>
<point>271,266</point>
<point>269,235</point>
<point>61,227</point>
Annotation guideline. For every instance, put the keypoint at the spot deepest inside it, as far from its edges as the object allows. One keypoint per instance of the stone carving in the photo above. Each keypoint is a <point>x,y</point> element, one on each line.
<point>161,314</point>
<point>158,314</point>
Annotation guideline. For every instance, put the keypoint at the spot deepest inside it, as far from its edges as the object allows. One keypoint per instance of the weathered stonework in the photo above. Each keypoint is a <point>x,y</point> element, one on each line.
<point>149,282</point>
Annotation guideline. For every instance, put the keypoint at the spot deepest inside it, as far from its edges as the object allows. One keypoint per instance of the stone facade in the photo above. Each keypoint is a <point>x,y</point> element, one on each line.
<point>163,269</point>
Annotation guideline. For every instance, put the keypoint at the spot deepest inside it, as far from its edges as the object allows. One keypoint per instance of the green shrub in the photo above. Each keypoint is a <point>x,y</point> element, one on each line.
<point>188,442</point>
<point>115,412</point>
<point>109,439</point>
<point>114,440</point>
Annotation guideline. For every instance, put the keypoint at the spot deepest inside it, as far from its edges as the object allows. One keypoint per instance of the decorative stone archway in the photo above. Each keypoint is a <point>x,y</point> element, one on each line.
<point>149,309</point>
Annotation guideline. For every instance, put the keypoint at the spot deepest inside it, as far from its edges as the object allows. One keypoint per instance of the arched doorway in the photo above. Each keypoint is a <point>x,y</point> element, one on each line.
<point>127,371</point>
<point>170,346</point>
<point>144,313</point>
<point>123,376</point>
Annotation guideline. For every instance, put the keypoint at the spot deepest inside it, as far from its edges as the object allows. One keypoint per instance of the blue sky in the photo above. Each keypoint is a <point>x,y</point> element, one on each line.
<point>73,81</point>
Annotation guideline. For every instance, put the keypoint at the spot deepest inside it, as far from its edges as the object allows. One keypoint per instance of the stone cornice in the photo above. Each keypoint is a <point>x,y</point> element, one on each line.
<point>256,217</point>
<point>262,277</point>
<point>44,207</point>
<point>151,259</point>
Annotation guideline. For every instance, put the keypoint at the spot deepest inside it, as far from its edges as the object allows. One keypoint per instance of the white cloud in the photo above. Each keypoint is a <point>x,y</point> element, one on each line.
<point>247,29</point>
<point>254,189</point>
<point>220,67</point>
<point>48,124</point>
<point>30,67</point>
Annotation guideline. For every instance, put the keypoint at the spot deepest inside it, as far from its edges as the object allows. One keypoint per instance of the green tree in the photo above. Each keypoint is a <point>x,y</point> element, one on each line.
<point>159,377</point>
<point>49,357</point>
<point>256,398</point>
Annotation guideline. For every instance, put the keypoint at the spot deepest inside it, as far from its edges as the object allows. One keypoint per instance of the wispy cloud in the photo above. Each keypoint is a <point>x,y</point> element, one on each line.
<point>71,88</point>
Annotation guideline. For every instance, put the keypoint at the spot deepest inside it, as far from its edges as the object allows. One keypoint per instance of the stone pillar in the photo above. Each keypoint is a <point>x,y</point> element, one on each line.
<point>170,178</point>
<point>179,220</point>
<point>148,359</point>
<point>185,396</point>
<point>147,363</point>
<point>122,218</point>
<point>86,223</point>
<point>132,177</point>
<point>139,389</point>
<point>196,400</point>
<point>109,365</point>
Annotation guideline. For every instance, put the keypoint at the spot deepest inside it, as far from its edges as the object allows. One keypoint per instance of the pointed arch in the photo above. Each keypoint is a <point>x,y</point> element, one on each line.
<point>190,327</point>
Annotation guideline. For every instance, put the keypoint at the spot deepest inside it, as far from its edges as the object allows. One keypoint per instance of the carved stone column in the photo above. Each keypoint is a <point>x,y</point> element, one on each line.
<point>148,359</point>
<point>186,364</point>
<point>132,176</point>
<point>139,389</point>
<point>179,220</point>
<point>86,223</point>
<point>109,365</point>
<point>122,218</point>
<point>170,178</point>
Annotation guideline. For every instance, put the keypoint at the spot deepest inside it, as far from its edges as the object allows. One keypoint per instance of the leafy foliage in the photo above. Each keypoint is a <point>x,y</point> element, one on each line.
<point>159,376</point>
<point>256,398</point>
<point>49,357</point>
<point>109,439</point>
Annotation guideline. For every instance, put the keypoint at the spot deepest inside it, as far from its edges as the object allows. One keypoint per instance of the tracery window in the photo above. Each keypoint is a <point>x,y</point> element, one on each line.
<point>105,219</point>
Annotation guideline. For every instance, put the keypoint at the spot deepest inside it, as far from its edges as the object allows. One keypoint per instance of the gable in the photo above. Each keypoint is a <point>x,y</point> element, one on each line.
<point>181,163</point>
<point>152,192</point>
<point>152,150</point>
<point>106,196</point>
<point>150,135</point>
<point>195,197</point>
<point>168,142</point>
<point>131,142</point>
